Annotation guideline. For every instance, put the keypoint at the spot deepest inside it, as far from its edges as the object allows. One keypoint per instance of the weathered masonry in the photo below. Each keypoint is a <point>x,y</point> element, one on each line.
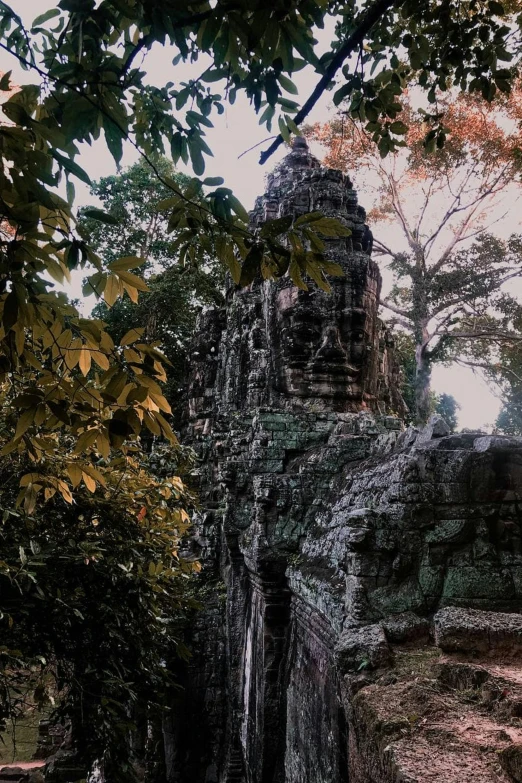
<point>363,582</point>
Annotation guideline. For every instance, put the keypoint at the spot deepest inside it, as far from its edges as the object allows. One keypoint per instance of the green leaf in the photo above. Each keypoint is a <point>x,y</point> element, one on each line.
<point>309,217</point>
<point>293,127</point>
<point>72,167</point>
<point>283,129</point>
<point>267,116</point>
<point>331,227</point>
<point>196,157</point>
<point>176,144</point>
<point>273,228</point>
<point>238,208</point>
<point>213,181</point>
<point>114,137</point>
<point>251,264</point>
<point>50,14</point>
<point>287,84</point>
<point>215,75</point>
<point>399,128</point>
<point>99,214</point>
<point>331,268</point>
<point>342,93</point>
<point>199,119</point>
<point>5,81</point>
<point>10,312</point>
<point>71,192</point>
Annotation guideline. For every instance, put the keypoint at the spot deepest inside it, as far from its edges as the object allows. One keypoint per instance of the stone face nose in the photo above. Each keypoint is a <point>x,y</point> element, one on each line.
<point>331,350</point>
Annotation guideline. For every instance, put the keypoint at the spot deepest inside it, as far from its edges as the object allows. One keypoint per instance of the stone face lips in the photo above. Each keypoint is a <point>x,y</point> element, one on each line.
<point>327,531</point>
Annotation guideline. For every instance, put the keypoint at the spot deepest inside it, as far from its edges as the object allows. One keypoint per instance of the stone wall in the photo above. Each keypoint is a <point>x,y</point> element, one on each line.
<point>328,533</point>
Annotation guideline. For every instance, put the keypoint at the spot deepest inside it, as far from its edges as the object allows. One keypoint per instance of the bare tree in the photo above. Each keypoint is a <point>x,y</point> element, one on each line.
<point>434,215</point>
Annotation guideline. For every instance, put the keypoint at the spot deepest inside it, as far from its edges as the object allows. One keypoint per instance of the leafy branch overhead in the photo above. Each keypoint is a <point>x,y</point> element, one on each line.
<point>73,400</point>
<point>88,58</point>
<point>219,224</point>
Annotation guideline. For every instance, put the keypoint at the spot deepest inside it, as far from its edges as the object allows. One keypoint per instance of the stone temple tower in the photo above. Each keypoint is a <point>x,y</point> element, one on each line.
<point>278,346</point>
<point>327,532</point>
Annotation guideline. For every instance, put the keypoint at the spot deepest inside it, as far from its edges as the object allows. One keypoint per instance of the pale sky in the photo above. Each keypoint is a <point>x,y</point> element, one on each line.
<point>234,132</point>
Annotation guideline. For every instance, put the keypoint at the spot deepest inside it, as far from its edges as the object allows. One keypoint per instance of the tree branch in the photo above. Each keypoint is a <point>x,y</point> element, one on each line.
<point>484,366</point>
<point>457,207</point>
<point>427,197</point>
<point>373,15</point>
<point>394,309</point>
<point>399,211</point>
<point>382,249</point>
<point>494,336</point>
<point>149,38</point>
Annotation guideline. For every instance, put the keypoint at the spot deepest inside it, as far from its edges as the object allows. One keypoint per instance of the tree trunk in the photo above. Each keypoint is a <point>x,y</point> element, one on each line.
<point>422,338</point>
<point>423,398</point>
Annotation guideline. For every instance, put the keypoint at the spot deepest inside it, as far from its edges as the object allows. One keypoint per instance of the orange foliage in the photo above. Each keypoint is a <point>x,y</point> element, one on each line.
<point>491,133</point>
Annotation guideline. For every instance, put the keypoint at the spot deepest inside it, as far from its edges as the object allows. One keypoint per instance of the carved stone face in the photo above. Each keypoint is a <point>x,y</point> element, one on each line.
<point>321,343</point>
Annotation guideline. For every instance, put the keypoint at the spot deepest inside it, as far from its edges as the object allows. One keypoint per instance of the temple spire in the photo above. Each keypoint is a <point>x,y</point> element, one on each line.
<point>300,143</point>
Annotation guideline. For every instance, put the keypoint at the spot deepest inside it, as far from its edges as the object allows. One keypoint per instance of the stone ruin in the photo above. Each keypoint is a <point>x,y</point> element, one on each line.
<point>362,582</point>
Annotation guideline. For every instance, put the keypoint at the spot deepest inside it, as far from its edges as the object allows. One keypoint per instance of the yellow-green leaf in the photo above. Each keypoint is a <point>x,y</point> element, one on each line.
<point>132,336</point>
<point>89,482</point>
<point>133,280</point>
<point>85,361</point>
<point>125,263</point>
<point>113,289</point>
<point>75,473</point>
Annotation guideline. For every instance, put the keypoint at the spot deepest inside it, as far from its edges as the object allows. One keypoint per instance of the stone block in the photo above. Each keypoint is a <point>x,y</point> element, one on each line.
<point>364,647</point>
<point>393,423</point>
<point>478,581</point>
<point>435,428</point>
<point>266,466</point>
<point>406,627</point>
<point>476,631</point>
<point>396,598</point>
<point>497,443</point>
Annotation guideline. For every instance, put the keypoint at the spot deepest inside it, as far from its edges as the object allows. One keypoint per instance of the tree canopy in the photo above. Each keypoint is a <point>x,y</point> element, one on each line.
<point>74,401</point>
<point>177,289</point>
<point>434,215</point>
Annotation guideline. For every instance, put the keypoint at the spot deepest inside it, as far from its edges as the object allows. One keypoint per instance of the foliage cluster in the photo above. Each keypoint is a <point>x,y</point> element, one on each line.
<point>74,400</point>
<point>449,269</point>
<point>177,290</point>
<point>93,597</point>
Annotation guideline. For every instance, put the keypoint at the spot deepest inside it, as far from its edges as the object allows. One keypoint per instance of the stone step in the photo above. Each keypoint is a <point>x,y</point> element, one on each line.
<point>235,768</point>
<point>24,772</point>
<point>497,687</point>
<point>435,719</point>
<point>478,632</point>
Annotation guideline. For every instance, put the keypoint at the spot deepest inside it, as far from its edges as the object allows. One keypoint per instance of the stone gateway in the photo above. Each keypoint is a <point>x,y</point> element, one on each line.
<point>350,567</point>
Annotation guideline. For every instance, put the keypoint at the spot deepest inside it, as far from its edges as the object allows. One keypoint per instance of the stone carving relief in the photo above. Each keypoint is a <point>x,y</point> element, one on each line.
<point>327,530</point>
